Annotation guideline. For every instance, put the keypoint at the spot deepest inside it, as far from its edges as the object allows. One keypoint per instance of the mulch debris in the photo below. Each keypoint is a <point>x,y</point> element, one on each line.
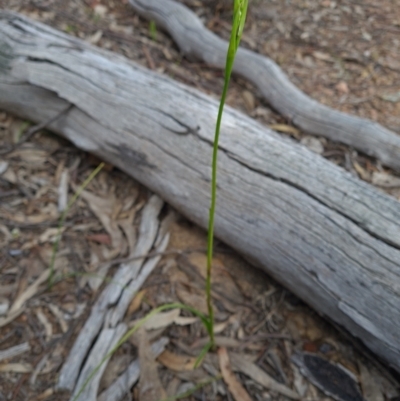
<point>344,54</point>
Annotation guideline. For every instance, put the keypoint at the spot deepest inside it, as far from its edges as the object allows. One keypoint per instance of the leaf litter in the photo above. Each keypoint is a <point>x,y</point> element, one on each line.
<point>256,318</point>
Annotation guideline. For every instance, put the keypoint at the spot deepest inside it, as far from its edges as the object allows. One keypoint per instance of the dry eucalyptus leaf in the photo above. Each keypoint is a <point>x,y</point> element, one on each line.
<point>312,143</point>
<point>288,129</point>
<point>235,387</point>
<point>16,368</point>
<point>103,208</point>
<point>193,298</point>
<point>150,387</point>
<point>46,324</point>
<point>177,363</point>
<point>249,100</point>
<point>161,319</point>
<point>385,180</point>
<point>136,302</point>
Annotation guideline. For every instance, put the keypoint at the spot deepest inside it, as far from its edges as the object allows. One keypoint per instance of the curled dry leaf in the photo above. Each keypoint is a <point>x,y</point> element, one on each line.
<point>287,129</point>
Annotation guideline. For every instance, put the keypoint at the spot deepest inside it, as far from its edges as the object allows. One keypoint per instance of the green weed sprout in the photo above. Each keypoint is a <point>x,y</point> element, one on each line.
<point>153,30</point>
<point>239,18</point>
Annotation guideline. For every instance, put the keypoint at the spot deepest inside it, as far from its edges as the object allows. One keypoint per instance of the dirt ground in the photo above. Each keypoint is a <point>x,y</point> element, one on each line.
<point>345,54</point>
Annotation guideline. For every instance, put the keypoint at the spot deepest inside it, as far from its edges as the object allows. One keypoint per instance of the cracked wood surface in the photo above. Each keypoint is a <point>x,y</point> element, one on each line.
<point>328,237</point>
<point>110,308</point>
<point>194,40</point>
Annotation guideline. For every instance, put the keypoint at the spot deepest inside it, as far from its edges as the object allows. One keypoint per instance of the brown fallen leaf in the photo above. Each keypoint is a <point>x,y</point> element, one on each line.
<point>223,286</point>
<point>178,363</point>
<point>237,390</point>
<point>29,292</point>
<point>161,319</point>
<point>249,100</point>
<point>385,180</point>
<point>193,298</point>
<point>16,368</point>
<point>100,238</point>
<point>129,230</point>
<point>287,129</point>
<point>46,394</point>
<point>342,87</point>
<point>241,363</point>
<point>136,302</point>
<point>150,387</point>
<point>104,209</point>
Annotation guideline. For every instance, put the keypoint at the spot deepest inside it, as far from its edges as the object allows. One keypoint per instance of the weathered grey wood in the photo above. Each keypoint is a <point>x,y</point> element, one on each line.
<point>112,321</point>
<point>127,274</point>
<point>130,376</point>
<point>14,351</point>
<point>194,40</point>
<point>330,238</point>
<point>89,380</point>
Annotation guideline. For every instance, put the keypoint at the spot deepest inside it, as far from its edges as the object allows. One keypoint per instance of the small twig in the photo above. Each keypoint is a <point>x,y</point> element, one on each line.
<point>149,59</point>
<point>33,130</point>
<point>155,253</point>
<point>6,194</point>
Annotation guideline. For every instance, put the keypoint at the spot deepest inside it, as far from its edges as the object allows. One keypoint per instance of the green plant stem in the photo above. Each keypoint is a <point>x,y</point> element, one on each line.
<point>210,240</point>
<point>239,17</point>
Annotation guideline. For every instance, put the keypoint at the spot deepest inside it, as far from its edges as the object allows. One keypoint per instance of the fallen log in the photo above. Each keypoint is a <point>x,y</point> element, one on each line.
<point>196,41</point>
<point>330,238</point>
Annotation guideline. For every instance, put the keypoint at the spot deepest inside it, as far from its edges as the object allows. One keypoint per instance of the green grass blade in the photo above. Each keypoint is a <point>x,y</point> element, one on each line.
<point>240,12</point>
<point>136,327</point>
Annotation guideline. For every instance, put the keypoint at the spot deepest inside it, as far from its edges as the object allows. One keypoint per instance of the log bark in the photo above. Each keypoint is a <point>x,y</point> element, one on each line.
<point>328,237</point>
<point>194,40</point>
